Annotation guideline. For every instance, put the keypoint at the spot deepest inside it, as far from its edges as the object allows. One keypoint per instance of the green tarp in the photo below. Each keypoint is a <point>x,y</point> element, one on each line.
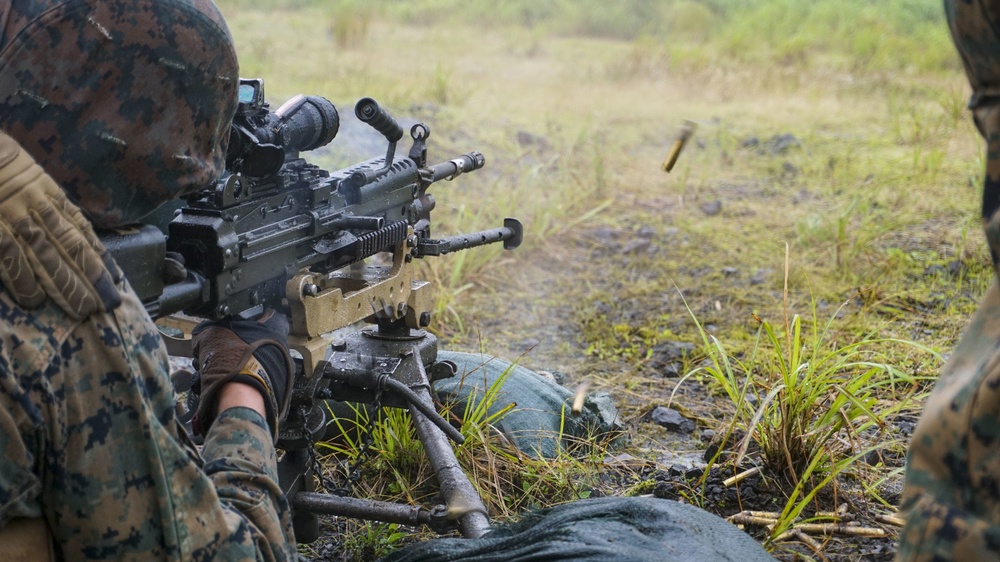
<point>599,530</point>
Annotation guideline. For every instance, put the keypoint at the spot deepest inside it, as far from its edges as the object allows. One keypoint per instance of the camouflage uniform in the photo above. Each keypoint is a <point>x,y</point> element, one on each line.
<point>125,103</point>
<point>90,442</point>
<point>951,499</point>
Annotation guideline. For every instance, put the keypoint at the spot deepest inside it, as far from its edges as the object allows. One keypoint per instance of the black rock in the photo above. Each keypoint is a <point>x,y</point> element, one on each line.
<point>671,419</point>
<point>712,208</point>
<point>665,490</point>
<point>636,245</point>
<point>780,144</point>
<point>906,428</point>
<point>671,350</point>
<point>672,370</point>
<point>527,344</point>
<point>789,170</point>
<point>693,473</point>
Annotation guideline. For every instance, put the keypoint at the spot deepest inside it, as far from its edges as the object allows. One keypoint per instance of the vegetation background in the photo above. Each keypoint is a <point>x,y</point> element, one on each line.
<point>800,272</point>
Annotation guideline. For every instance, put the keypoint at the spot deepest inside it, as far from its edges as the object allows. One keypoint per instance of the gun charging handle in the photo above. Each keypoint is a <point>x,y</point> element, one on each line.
<point>369,111</point>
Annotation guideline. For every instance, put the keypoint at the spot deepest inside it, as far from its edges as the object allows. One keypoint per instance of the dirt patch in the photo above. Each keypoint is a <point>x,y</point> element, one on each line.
<point>615,302</point>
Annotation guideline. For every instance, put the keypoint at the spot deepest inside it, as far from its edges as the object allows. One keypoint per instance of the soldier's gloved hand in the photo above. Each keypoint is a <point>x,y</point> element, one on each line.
<point>47,247</point>
<point>253,352</point>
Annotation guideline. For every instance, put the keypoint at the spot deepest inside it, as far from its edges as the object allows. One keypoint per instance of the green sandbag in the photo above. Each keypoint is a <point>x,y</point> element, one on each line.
<point>601,529</point>
<point>541,423</point>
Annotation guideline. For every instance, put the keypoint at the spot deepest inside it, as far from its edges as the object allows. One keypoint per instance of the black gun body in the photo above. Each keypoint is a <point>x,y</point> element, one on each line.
<point>245,242</point>
<point>248,237</point>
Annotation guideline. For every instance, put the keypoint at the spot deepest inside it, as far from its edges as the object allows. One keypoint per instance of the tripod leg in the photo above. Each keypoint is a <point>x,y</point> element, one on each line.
<point>457,491</point>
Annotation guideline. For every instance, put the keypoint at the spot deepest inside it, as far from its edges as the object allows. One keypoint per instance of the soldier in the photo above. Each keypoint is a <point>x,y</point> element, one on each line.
<point>113,107</point>
<point>952,495</point>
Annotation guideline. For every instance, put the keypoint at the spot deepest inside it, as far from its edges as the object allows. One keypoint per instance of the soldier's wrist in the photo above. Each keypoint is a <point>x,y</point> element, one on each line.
<point>236,395</point>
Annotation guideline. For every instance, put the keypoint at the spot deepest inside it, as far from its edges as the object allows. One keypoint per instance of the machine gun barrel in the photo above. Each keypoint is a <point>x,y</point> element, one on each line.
<point>453,168</point>
<point>511,234</point>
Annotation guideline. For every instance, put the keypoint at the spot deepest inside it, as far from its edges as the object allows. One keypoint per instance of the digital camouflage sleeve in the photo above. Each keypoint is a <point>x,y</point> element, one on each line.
<point>951,499</point>
<point>90,442</point>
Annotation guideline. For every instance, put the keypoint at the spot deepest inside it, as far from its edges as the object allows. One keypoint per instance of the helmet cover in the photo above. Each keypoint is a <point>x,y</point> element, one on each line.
<point>125,103</point>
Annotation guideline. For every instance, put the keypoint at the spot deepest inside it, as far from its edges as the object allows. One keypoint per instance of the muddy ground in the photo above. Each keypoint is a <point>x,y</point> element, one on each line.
<point>614,300</point>
<point>540,306</point>
<point>667,453</point>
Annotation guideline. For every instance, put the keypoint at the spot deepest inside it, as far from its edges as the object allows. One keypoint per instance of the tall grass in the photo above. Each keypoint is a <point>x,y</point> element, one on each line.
<point>395,467</point>
<point>809,401</point>
<point>858,34</point>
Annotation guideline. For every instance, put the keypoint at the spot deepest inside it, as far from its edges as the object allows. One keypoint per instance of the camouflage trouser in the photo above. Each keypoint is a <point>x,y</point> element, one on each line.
<point>951,500</point>
<point>89,442</point>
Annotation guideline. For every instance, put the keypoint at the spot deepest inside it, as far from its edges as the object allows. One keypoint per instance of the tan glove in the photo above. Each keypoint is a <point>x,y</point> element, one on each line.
<point>47,247</point>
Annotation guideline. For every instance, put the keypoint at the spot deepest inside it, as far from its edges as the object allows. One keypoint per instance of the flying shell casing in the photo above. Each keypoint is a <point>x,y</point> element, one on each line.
<point>687,130</point>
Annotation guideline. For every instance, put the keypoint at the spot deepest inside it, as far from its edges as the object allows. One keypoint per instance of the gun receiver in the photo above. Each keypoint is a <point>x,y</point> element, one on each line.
<point>274,214</point>
<point>279,232</point>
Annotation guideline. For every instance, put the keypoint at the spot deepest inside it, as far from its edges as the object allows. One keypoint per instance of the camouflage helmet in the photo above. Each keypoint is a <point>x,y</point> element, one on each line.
<point>126,103</point>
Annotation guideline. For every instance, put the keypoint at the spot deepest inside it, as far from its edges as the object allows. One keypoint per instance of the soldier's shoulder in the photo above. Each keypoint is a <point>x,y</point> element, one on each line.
<point>29,337</point>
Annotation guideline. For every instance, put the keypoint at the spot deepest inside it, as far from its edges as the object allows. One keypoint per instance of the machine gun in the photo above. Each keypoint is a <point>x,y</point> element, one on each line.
<point>279,232</point>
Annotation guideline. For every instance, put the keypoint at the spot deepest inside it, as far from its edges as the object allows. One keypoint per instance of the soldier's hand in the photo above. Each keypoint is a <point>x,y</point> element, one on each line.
<point>48,249</point>
<point>252,352</point>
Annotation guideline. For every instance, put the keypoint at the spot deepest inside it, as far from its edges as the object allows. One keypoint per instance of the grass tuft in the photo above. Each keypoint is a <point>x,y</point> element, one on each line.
<point>809,402</point>
<point>509,481</point>
<point>350,23</point>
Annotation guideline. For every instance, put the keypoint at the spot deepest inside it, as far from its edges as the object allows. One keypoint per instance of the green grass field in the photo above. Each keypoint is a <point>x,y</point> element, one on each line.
<point>861,220</point>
